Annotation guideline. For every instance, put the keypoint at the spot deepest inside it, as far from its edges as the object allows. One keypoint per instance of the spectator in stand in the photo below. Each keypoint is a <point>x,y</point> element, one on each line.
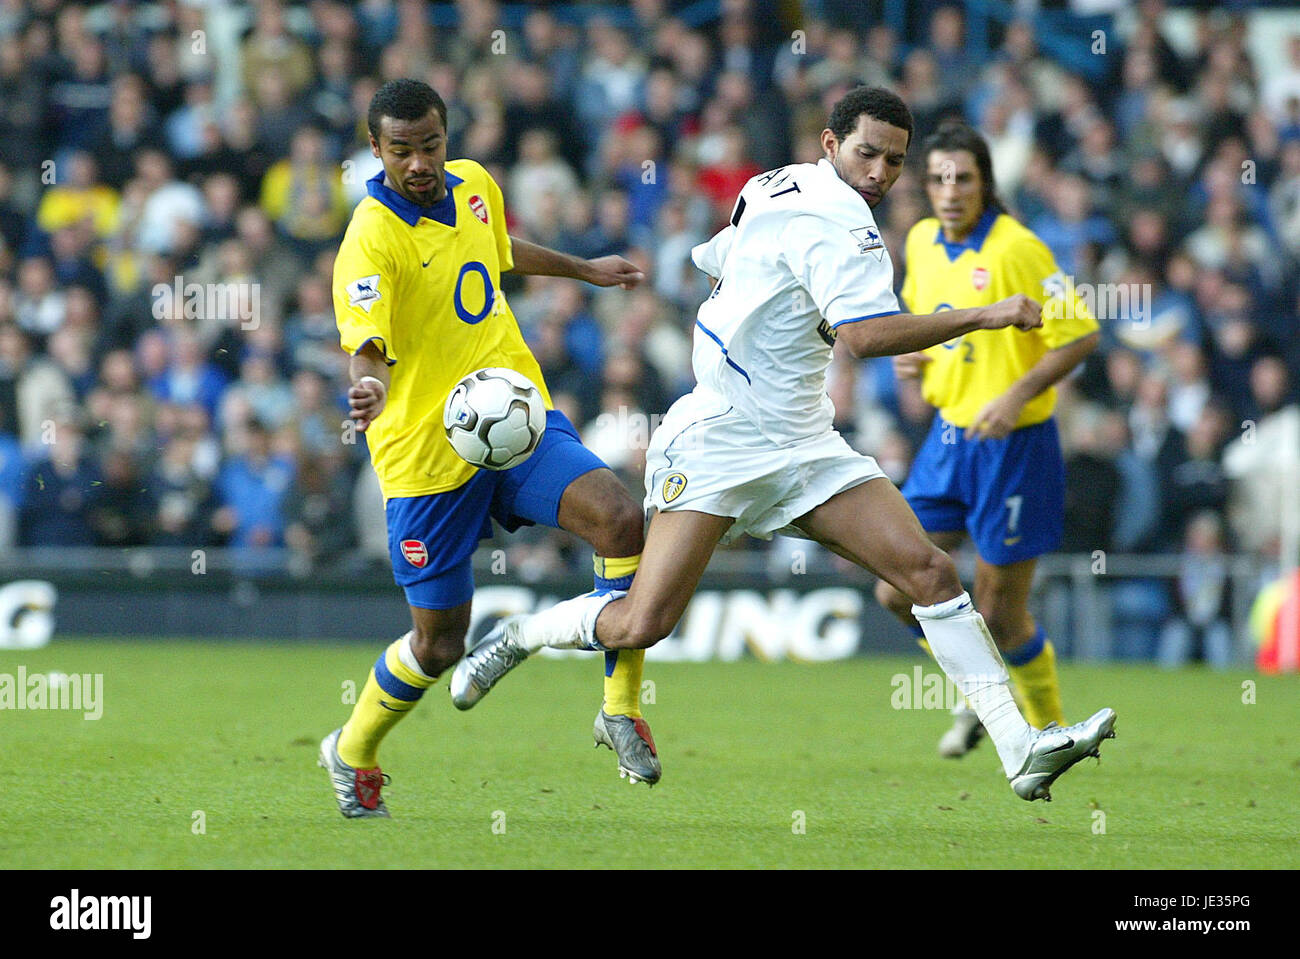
<point>310,333</point>
<point>251,490</point>
<point>12,466</point>
<point>1199,629</point>
<point>24,119</point>
<point>70,350</point>
<point>1072,225</point>
<point>61,488</point>
<point>1264,461</point>
<point>77,195</point>
<point>318,422</point>
<point>39,304</point>
<point>321,493</point>
<point>259,385</point>
<point>531,106</point>
<point>1197,482</point>
<point>611,80</point>
<point>131,126</point>
<point>1093,481</point>
<point>40,390</point>
<point>125,509</point>
<point>552,47</point>
<point>189,376</point>
<point>303,195</point>
<point>722,178</point>
<point>165,201</point>
<point>956,69</point>
<point>272,50</point>
<point>79,102</point>
<point>540,170</point>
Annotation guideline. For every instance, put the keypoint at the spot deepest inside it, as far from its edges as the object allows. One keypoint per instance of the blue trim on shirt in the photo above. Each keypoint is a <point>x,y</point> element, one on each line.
<point>383,348</point>
<point>725,355</point>
<point>974,241</point>
<point>444,211</point>
<point>858,319</point>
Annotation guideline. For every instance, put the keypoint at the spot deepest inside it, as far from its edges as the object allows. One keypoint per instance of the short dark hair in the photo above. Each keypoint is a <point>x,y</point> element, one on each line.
<point>955,135</point>
<point>877,103</point>
<point>403,100</point>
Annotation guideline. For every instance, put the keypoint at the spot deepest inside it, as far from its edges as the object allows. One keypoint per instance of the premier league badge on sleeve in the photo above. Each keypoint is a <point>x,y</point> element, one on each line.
<point>364,292</point>
<point>869,240</point>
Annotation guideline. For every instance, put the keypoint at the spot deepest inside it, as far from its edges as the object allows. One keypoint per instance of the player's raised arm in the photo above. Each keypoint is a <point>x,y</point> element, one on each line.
<point>535,260</point>
<point>907,332</point>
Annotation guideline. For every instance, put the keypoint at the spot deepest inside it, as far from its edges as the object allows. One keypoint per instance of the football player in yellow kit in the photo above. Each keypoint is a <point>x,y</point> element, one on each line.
<point>418,304</point>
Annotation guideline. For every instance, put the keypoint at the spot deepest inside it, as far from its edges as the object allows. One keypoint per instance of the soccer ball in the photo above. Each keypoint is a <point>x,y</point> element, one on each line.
<point>494,418</point>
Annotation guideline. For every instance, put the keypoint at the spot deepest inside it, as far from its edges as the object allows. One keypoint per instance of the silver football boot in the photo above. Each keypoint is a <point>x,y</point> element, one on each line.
<point>357,790</point>
<point>638,760</point>
<point>964,734</point>
<point>1057,748</point>
<point>484,665</point>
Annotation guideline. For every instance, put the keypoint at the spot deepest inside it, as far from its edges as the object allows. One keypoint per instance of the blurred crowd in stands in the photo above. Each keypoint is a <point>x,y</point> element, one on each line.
<point>150,149</point>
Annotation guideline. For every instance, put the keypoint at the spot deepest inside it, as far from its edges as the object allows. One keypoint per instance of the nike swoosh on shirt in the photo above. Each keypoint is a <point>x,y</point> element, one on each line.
<point>428,261</point>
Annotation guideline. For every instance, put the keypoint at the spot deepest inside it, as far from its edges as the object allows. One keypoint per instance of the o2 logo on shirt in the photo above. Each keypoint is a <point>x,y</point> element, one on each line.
<point>478,208</point>
<point>489,293</point>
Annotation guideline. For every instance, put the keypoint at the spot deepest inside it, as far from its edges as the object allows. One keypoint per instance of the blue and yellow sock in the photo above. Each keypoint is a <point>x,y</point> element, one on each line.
<point>622,666</point>
<point>1033,669</point>
<point>391,691</point>
<point>916,630</point>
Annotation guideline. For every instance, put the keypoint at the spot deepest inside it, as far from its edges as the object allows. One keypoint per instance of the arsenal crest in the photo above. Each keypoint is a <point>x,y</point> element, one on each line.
<point>979,278</point>
<point>478,207</point>
<point>415,552</point>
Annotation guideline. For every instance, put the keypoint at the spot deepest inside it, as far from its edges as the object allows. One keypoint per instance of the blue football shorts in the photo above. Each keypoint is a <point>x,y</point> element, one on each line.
<point>432,539</point>
<point>1009,494</point>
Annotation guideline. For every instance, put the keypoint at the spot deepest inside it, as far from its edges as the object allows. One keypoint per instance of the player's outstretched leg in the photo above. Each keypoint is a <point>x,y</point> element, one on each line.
<point>896,548</point>
<point>1002,593</point>
<point>678,547</point>
<point>567,625</point>
<point>966,731</point>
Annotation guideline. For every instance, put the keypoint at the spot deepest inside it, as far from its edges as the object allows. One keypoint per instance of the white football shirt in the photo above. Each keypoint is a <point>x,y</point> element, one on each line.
<point>801,257</point>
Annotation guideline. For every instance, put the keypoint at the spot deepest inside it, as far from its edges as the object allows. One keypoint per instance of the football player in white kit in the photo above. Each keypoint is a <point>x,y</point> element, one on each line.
<point>752,449</point>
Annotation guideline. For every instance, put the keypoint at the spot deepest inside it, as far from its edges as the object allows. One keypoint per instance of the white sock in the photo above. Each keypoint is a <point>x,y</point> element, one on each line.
<point>964,649</point>
<point>567,625</point>
<point>406,653</point>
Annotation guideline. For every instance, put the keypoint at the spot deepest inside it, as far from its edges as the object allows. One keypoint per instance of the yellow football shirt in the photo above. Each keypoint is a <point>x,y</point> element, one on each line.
<point>424,284</point>
<point>999,259</point>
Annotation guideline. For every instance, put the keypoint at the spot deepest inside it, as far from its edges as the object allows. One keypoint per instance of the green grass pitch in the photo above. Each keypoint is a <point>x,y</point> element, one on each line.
<point>205,757</point>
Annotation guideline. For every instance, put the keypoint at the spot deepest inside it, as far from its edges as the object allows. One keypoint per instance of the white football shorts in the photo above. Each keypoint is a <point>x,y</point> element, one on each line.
<point>707,457</point>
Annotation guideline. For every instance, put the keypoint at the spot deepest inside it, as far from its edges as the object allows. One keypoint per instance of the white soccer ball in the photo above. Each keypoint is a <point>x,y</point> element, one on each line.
<point>495,418</point>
